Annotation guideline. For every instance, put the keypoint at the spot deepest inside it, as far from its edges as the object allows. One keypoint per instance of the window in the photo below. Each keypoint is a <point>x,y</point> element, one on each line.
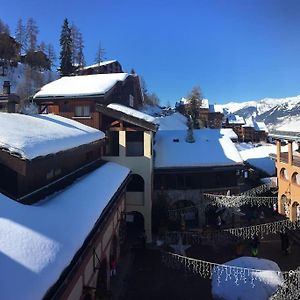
<point>82,111</point>
<point>134,143</point>
<point>136,184</point>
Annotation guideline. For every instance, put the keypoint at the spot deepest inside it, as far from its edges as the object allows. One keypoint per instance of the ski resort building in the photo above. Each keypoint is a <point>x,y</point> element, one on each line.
<point>288,175</point>
<point>190,163</point>
<point>60,247</point>
<point>76,97</point>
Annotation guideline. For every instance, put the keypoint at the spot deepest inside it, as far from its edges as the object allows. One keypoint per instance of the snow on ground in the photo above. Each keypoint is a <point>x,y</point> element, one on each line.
<point>211,148</point>
<point>258,157</point>
<point>39,135</point>
<point>131,112</point>
<point>37,242</point>
<point>84,85</point>
<point>289,124</point>
<point>266,281</point>
<point>176,121</point>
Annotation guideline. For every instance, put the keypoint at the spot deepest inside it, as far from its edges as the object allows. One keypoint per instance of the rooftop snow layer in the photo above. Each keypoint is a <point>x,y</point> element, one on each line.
<point>39,135</point>
<point>102,63</point>
<point>259,158</point>
<point>37,242</point>
<point>211,148</point>
<point>176,121</point>
<point>235,119</point>
<point>131,112</point>
<point>78,86</point>
<point>229,133</point>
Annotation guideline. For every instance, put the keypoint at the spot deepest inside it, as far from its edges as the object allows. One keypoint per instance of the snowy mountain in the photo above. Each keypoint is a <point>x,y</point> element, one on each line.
<point>273,111</point>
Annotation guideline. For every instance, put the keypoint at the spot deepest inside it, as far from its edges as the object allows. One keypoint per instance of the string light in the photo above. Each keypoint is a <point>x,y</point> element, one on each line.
<point>239,275</point>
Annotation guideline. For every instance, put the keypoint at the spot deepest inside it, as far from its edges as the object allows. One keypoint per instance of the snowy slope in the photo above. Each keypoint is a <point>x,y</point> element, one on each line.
<point>270,110</point>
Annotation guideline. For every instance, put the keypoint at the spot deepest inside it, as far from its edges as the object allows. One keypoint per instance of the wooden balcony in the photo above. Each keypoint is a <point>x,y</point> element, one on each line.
<point>284,158</point>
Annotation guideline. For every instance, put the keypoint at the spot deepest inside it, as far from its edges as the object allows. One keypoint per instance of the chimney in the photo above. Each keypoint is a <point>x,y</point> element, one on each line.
<point>6,87</point>
<point>190,137</point>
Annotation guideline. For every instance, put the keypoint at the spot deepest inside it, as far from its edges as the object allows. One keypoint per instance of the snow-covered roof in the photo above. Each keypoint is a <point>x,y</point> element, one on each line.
<point>102,63</point>
<point>229,133</point>
<point>79,86</point>
<point>211,148</point>
<point>260,126</point>
<point>152,110</point>
<point>39,135</point>
<point>263,273</point>
<point>235,119</point>
<point>131,112</point>
<point>214,108</point>
<point>259,158</point>
<point>176,121</point>
<point>37,242</point>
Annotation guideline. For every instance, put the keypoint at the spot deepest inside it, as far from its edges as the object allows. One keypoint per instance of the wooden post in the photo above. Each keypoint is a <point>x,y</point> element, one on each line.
<point>278,144</point>
<point>290,153</point>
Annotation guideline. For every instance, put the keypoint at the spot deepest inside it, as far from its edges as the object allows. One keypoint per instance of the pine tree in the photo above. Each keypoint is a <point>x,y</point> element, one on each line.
<point>31,32</point>
<point>21,36</point>
<point>66,66</point>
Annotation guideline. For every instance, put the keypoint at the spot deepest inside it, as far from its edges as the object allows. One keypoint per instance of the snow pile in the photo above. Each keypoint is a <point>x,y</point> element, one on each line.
<point>37,242</point>
<point>258,157</point>
<point>131,112</point>
<point>78,86</point>
<point>211,148</point>
<point>267,280</point>
<point>39,135</point>
<point>176,121</point>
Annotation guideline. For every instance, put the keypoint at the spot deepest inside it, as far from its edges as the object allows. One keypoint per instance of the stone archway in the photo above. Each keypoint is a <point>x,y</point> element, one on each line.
<point>295,211</point>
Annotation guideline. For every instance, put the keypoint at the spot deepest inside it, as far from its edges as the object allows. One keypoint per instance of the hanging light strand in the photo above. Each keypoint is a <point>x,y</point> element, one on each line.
<point>245,233</point>
<point>239,275</point>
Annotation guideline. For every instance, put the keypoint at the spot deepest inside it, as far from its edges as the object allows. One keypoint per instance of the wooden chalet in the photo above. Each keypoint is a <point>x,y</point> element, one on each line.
<point>76,97</point>
<point>77,229</point>
<point>8,100</point>
<point>104,67</point>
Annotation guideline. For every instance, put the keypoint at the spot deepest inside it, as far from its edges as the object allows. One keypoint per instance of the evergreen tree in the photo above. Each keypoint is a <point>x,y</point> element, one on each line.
<point>21,36</point>
<point>194,102</point>
<point>66,66</point>
<point>32,32</point>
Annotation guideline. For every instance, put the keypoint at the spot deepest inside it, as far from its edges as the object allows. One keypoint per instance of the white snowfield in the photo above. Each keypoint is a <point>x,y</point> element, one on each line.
<point>211,148</point>
<point>39,135</point>
<point>37,242</point>
<point>79,86</point>
<point>290,124</point>
<point>131,112</point>
<point>266,281</point>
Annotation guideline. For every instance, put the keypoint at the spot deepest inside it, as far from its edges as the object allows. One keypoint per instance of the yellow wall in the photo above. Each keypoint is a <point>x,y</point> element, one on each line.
<point>143,166</point>
<point>286,187</point>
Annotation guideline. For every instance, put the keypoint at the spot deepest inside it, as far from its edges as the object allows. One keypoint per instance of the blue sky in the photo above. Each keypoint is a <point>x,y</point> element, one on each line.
<point>235,50</point>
